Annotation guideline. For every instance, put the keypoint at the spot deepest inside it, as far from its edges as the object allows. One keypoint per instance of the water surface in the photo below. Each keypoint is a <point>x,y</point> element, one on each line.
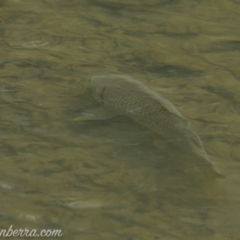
<point>106,180</point>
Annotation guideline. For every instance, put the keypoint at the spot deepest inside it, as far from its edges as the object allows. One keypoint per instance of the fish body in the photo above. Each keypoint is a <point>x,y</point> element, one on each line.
<point>124,95</point>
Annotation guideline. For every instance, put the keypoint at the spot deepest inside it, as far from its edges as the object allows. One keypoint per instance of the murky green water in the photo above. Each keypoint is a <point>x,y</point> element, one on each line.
<point>106,180</point>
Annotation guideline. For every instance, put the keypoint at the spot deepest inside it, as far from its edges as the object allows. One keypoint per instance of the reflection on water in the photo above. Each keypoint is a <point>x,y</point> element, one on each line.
<point>106,179</point>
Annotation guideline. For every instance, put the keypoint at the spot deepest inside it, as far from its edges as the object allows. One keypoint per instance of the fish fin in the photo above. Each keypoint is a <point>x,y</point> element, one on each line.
<point>101,113</point>
<point>211,171</point>
<point>217,173</point>
<point>197,147</point>
<point>195,144</point>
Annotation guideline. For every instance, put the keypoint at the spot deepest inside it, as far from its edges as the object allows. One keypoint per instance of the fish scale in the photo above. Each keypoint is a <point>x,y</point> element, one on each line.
<point>150,114</point>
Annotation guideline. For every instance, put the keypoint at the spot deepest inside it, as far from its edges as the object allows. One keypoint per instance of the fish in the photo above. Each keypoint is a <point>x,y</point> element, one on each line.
<point>124,95</point>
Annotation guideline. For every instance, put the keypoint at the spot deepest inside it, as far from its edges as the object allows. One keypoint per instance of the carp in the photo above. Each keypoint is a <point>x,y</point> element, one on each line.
<point>123,95</point>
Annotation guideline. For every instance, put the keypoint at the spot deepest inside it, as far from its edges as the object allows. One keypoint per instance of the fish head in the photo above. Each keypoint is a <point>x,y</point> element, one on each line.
<point>100,82</point>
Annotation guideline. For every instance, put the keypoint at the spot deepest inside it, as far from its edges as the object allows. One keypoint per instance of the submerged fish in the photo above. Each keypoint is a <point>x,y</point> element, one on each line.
<point>123,95</point>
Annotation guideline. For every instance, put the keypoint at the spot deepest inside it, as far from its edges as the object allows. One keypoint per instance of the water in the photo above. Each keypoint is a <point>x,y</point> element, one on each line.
<point>106,179</point>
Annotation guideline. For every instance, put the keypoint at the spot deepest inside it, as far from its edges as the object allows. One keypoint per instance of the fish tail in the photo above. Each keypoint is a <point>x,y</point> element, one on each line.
<point>198,150</point>
<point>213,171</point>
<point>209,168</point>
